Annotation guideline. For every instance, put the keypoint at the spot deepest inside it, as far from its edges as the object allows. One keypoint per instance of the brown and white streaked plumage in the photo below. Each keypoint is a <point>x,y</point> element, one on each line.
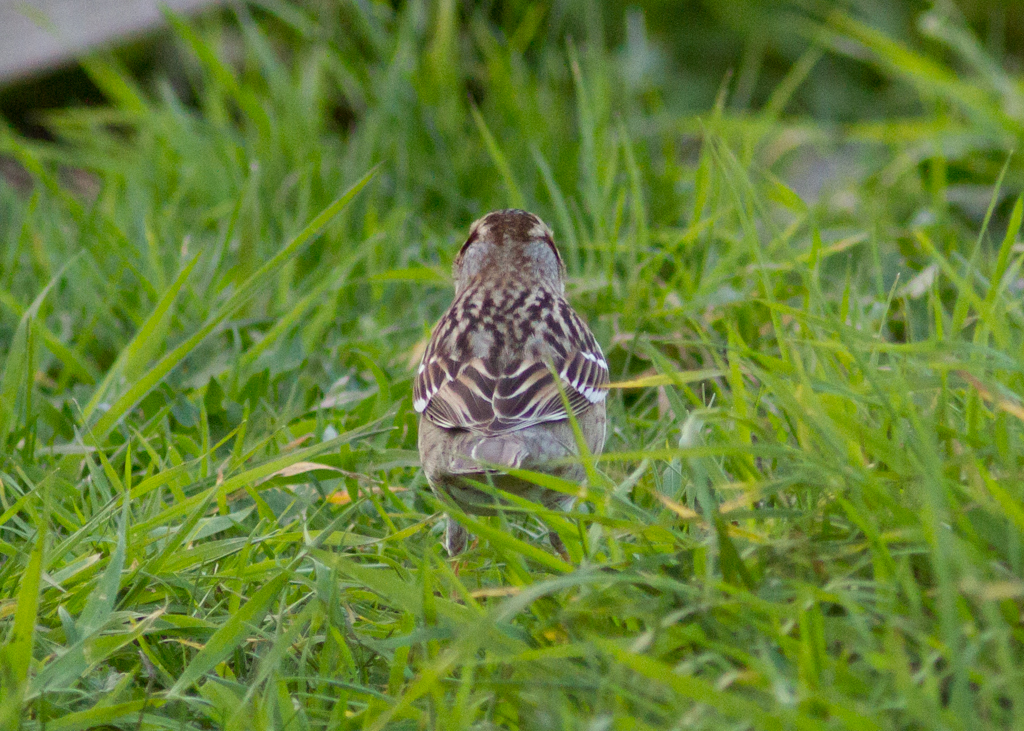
<point>488,389</point>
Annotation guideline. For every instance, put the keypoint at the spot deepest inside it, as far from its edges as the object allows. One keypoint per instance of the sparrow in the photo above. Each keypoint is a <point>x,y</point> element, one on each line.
<point>489,390</point>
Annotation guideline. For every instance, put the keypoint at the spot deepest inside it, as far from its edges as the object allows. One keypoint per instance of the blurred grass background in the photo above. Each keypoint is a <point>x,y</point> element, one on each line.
<point>795,230</point>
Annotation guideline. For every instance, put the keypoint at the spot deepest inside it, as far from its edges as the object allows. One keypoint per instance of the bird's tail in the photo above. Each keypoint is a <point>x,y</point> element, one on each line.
<point>486,453</point>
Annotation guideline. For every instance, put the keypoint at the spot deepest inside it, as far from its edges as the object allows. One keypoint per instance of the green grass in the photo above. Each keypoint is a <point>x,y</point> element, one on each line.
<point>810,512</point>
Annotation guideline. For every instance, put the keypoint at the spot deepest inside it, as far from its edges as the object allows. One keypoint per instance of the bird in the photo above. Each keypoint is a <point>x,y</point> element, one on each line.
<point>501,366</point>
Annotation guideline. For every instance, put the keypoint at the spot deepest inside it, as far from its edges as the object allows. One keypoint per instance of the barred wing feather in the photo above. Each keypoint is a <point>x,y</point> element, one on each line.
<point>469,394</point>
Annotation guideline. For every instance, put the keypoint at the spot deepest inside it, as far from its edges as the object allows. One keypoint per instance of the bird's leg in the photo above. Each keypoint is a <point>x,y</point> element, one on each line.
<point>455,537</point>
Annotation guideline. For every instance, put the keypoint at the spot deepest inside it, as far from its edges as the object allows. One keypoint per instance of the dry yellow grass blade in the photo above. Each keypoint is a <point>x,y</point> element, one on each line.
<point>667,379</point>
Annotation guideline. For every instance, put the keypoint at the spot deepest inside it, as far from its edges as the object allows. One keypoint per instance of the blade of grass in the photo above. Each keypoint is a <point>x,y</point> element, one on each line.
<point>15,367</point>
<point>500,161</point>
<point>255,282</point>
<point>16,654</point>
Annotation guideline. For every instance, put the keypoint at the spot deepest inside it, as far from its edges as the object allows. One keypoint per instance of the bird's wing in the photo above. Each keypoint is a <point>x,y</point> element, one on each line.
<point>460,393</point>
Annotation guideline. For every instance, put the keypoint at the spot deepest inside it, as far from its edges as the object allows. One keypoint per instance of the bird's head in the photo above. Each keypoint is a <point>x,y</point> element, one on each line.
<point>509,244</point>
